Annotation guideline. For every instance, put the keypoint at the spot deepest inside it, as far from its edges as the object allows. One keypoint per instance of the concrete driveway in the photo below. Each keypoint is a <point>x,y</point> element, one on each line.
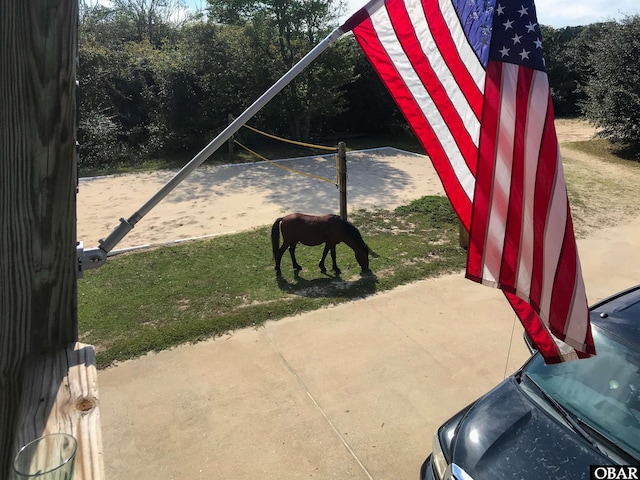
<point>350,392</point>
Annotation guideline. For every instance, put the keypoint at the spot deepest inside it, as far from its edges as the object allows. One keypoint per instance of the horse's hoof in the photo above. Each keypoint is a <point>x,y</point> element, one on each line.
<point>337,270</point>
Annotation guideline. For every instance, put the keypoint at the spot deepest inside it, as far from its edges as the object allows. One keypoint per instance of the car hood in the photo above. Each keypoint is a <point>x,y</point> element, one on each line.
<point>505,431</point>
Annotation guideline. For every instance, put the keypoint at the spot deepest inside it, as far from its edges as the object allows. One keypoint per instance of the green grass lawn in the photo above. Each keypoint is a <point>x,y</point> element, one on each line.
<point>155,299</point>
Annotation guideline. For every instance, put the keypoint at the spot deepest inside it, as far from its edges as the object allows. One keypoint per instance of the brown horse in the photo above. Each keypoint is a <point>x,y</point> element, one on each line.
<point>314,230</point>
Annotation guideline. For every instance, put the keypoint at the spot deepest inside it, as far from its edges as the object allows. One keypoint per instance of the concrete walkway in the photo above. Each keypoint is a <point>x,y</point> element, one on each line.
<point>350,392</point>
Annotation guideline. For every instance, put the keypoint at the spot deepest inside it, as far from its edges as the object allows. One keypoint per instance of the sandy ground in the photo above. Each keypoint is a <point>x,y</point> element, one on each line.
<point>226,199</point>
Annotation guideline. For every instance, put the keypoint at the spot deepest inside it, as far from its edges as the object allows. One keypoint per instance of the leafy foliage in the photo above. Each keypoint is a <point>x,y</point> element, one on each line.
<point>614,87</point>
<point>158,82</point>
<point>564,78</point>
<point>153,87</point>
<point>282,33</point>
<point>371,110</point>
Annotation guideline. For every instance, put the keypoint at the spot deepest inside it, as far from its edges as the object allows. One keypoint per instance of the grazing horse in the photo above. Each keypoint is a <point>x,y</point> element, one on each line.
<point>313,230</point>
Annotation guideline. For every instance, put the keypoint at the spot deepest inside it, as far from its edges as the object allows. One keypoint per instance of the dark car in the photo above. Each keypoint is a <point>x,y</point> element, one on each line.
<point>554,421</point>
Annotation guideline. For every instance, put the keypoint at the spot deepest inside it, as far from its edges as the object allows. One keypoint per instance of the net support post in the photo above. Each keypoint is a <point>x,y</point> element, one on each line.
<point>342,179</point>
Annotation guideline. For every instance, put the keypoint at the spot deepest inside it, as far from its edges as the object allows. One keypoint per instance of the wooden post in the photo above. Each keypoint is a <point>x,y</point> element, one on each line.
<point>463,236</point>
<point>38,301</point>
<point>342,178</point>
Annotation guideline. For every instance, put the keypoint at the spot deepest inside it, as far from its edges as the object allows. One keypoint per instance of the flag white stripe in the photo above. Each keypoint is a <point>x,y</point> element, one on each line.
<point>467,54</point>
<point>533,139</point>
<point>575,327</point>
<point>501,187</point>
<point>386,35</point>
<point>553,240</point>
<point>430,49</point>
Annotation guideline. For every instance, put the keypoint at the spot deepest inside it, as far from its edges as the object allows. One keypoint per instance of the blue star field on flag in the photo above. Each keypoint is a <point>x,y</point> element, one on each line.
<point>516,34</point>
<point>476,18</point>
<point>502,30</point>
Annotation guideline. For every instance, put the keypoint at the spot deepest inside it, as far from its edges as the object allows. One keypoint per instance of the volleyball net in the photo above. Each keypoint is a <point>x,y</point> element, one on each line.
<point>335,181</point>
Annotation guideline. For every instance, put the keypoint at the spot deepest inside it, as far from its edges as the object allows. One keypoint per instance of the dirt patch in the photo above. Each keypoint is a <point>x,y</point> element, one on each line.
<point>601,193</point>
<point>573,130</point>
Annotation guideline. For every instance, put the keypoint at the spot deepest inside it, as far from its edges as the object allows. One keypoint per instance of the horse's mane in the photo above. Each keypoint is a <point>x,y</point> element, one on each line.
<point>353,232</point>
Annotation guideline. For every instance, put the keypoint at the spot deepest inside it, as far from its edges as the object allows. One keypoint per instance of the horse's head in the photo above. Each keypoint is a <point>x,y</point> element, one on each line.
<point>362,256</point>
<point>353,238</point>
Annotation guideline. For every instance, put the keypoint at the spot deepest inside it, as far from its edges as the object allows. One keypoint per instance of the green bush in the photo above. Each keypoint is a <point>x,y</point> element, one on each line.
<point>99,145</point>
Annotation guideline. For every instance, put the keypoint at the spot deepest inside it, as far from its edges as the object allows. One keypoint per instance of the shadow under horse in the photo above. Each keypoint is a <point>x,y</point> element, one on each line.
<point>315,230</point>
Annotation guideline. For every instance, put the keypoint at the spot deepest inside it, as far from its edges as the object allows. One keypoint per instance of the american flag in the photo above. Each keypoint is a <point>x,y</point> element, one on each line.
<point>469,77</point>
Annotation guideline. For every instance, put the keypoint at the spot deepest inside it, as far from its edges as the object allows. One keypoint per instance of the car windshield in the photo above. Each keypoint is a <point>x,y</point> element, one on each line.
<point>602,391</point>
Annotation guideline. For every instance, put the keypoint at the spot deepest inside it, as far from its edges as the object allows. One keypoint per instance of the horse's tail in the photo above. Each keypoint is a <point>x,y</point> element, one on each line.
<point>275,237</point>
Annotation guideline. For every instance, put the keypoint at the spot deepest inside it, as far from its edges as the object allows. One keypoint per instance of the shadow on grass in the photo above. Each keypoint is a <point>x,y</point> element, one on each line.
<point>607,150</point>
<point>329,286</point>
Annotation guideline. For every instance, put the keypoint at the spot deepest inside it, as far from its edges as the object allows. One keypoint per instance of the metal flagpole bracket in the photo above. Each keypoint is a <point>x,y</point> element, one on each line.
<point>96,257</point>
<point>89,259</point>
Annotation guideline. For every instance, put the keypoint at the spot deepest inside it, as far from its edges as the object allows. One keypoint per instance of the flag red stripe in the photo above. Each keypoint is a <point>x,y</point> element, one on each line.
<point>446,45</point>
<point>384,66</point>
<point>547,162</point>
<point>534,328</point>
<point>500,167</point>
<point>533,137</point>
<point>488,140</point>
<point>411,45</point>
<point>511,248</point>
<point>563,291</point>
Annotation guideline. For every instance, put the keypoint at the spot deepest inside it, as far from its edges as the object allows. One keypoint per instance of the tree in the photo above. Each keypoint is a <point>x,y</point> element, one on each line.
<point>614,88</point>
<point>126,70</point>
<point>370,107</point>
<point>280,33</point>
<point>211,76</point>
<point>151,20</point>
<point>565,79</point>
<point>119,101</point>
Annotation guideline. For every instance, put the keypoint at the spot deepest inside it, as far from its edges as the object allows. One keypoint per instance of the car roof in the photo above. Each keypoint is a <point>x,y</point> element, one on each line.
<point>619,315</point>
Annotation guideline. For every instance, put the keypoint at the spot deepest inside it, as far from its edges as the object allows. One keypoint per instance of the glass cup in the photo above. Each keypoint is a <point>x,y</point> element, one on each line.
<point>50,457</point>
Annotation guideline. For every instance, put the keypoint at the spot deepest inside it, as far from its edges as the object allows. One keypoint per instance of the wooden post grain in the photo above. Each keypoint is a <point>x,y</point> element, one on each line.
<point>342,178</point>
<point>38,303</point>
<point>60,394</point>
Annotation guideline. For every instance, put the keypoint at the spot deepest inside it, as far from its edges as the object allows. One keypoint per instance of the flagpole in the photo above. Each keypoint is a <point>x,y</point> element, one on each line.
<point>361,14</point>
<point>106,245</point>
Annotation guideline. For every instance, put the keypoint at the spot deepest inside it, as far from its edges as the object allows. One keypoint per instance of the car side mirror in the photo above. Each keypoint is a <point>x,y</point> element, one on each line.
<point>529,342</point>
